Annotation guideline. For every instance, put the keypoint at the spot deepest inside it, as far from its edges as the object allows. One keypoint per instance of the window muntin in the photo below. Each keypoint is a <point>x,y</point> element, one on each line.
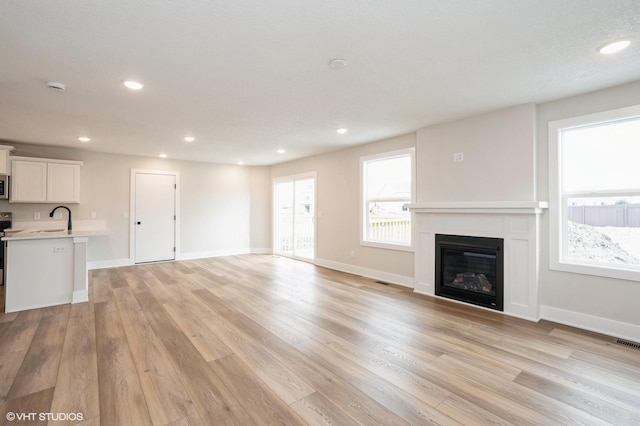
<point>595,194</point>
<point>387,185</point>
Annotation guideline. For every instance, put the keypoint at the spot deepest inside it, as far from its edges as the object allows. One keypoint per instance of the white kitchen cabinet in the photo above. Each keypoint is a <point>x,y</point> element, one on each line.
<point>63,183</point>
<point>36,180</point>
<point>4,159</point>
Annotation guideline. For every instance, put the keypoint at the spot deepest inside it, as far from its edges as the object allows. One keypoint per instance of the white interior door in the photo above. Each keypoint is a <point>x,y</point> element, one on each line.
<point>294,225</point>
<point>154,221</point>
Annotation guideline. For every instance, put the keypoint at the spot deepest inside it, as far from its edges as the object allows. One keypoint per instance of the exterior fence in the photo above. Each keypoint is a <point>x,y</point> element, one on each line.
<point>304,234</point>
<point>620,215</point>
<point>390,229</point>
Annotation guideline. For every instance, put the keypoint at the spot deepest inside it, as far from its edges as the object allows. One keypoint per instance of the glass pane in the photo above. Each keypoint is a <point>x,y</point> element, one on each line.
<point>604,230</point>
<point>304,210</point>
<point>388,222</point>
<point>389,178</point>
<point>601,157</point>
<point>284,218</point>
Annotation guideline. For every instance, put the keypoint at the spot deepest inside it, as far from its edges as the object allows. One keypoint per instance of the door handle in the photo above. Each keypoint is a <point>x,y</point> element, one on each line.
<point>138,223</point>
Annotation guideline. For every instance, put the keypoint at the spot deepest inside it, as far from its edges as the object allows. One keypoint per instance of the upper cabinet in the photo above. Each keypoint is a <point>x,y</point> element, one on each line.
<point>40,180</point>
<point>5,150</point>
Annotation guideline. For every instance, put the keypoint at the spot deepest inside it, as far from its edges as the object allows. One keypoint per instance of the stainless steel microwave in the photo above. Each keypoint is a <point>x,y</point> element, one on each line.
<point>4,187</point>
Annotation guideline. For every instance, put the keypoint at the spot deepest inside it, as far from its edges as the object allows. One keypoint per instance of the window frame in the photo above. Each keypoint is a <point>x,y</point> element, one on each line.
<point>363,199</point>
<point>558,208</point>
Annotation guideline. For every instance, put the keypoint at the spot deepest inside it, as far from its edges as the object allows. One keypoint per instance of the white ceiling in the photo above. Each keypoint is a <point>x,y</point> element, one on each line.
<point>247,77</point>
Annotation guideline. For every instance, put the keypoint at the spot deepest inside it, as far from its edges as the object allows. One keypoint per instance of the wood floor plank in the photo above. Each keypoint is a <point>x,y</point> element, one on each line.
<point>39,369</point>
<point>122,400</point>
<point>262,404</point>
<point>165,396</point>
<point>26,409</point>
<point>287,385</point>
<point>203,339</point>
<point>76,388</point>
<point>389,394</point>
<point>261,339</point>
<point>213,401</point>
<point>354,402</point>
<point>467,413</point>
<point>315,409</point>
<point>612,413</point>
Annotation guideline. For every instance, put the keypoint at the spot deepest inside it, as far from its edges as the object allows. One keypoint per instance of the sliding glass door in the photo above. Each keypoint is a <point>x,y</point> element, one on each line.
<point>294,217</point>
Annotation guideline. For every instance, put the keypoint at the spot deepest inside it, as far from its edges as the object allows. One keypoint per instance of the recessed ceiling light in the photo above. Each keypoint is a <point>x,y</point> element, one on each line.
<point>342,131</point>
<point>337,63</point>
<point>133,85</point>
<point>56,86</point>
<point>84,139</point>
<point>281,151</point>
<point>162,155</point>
<point>189,139</point>
<point>240,163</point>
<point>614,47</point>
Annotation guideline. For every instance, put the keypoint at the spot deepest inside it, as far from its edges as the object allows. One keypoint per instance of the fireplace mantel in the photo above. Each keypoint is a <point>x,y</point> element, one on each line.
<point>516,222</point>
<point>489,207</point>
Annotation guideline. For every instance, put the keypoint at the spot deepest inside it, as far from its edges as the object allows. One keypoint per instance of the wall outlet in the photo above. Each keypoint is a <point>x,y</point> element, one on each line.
<point>59,249</point>
<point>458,157</point>
<point>125,215</point>
<point>353,253</point>
<point>36,215</point>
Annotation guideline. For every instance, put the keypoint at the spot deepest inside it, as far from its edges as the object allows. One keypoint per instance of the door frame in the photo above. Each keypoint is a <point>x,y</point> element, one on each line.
<point>132,211</point>
<point>293,178</point>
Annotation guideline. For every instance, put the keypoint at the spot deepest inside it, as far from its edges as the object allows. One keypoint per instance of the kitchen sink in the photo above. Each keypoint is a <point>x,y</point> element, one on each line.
<point>38,231</point>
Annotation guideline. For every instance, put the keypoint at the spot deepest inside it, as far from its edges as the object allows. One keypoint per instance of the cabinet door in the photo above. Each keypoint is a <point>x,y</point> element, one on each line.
<point>28,181</point>
<point>63,183</point>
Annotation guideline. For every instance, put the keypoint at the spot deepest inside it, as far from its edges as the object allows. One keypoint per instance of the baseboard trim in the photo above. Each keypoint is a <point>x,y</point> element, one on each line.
<point>375,274</point>
<point>255,250</point>
<point>213,253</point>
<point>111,263</point>
<point>606,326</point>
<point>80,296</point>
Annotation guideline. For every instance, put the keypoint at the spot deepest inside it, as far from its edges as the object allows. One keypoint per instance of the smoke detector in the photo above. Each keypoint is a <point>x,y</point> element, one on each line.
<point>337,63</point>
<point>55,86</point>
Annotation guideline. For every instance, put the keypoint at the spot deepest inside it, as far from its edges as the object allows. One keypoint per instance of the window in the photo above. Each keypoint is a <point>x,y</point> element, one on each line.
<point>387,185</point>
<point>595,194</point>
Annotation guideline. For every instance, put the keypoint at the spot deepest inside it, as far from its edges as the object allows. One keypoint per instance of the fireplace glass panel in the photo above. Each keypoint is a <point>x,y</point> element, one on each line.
<point>469,270</point>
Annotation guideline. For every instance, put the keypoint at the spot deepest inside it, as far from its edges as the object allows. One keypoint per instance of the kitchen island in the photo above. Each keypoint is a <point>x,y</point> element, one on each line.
<point>46,267</point>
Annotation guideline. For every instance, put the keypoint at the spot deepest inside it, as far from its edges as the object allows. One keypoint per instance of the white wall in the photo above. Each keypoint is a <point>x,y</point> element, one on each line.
<point>517,140</point>
<point>217,212</point>
<point>261,210</point>
<point>499,158</point>
<point>587,301</point>
<point>338,204</point>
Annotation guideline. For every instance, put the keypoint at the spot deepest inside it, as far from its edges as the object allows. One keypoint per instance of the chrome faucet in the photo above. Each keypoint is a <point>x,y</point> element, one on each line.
<point>63,207</point>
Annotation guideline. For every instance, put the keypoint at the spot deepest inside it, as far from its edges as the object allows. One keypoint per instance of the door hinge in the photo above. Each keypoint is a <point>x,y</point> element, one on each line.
<point>174,249</point>
<point>174,217</point>
<point>175,186</point>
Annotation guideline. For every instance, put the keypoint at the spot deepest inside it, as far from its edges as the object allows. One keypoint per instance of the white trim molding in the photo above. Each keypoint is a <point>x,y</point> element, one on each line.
<point>516,222</point>
<point>606,326</point>
<point>375,274</point>
<point>485,207</point>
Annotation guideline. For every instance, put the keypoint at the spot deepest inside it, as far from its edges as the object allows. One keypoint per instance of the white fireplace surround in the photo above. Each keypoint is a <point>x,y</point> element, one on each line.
<point>517,222</point>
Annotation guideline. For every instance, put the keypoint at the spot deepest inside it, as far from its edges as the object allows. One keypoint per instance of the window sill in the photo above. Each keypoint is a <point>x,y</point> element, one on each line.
<point>388,246</point>
<point>608,271</point>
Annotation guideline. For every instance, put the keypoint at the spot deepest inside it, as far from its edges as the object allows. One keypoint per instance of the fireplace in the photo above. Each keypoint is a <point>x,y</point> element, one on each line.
<point>470,269</point>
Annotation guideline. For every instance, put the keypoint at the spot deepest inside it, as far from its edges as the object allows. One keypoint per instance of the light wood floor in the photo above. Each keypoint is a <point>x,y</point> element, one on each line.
<point>265,340</point>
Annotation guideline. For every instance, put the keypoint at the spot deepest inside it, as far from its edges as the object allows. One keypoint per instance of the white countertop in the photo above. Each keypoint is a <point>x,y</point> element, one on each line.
<point>40,234</point>
<point>39,230</point>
